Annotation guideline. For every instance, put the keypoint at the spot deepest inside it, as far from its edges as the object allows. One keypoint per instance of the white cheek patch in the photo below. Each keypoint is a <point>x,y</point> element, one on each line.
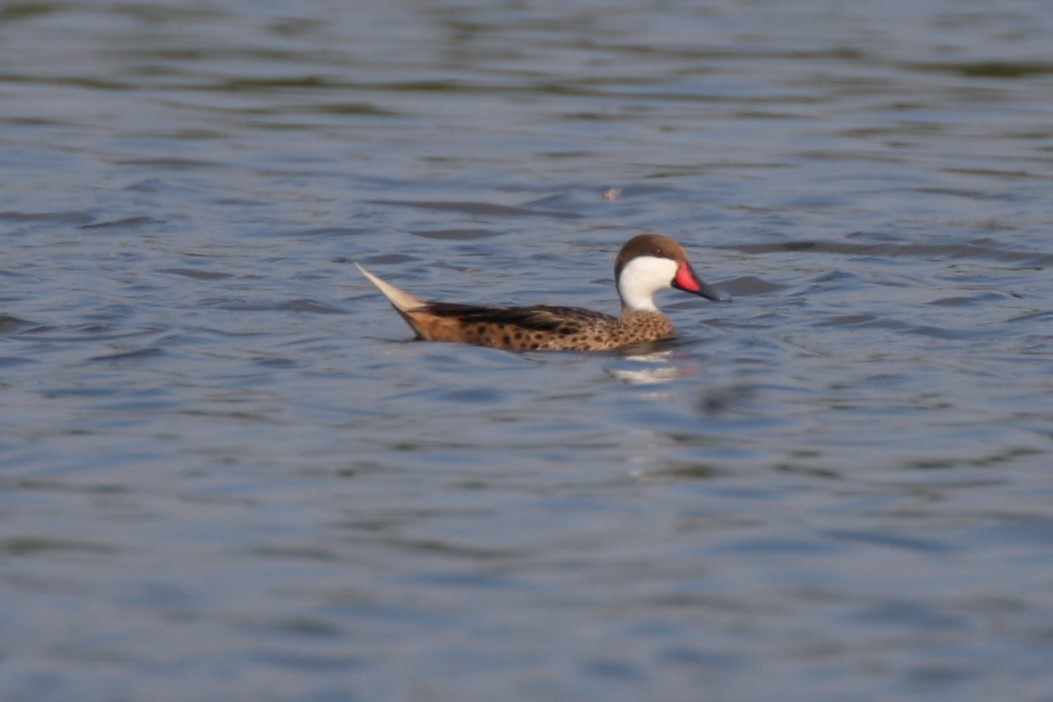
<point>641,278</point>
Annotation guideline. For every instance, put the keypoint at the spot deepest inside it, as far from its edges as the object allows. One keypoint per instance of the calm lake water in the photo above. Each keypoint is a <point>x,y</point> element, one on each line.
<point>225,474</point>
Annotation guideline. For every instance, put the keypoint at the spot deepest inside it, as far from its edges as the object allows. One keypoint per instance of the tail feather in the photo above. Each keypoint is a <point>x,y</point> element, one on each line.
<point>399,299</point>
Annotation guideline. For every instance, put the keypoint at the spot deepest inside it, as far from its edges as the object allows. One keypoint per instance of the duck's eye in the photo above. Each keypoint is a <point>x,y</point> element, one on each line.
<point>658,252</point>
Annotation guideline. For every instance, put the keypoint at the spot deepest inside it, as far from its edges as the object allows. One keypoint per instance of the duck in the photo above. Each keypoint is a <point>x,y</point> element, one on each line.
<point>646,264</point>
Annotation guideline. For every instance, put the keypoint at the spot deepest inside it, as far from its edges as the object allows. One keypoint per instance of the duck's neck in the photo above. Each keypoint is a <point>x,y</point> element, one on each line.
<point>637,303</point>
<point>640,279</point>
<point>630,312</point>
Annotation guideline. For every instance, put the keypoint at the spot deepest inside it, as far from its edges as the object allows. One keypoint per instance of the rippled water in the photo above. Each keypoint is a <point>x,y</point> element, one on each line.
<point>225,474</point>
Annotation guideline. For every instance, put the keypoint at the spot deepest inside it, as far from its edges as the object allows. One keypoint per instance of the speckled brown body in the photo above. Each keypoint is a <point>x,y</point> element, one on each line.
<point>540,328</point>
<point>646,264</point>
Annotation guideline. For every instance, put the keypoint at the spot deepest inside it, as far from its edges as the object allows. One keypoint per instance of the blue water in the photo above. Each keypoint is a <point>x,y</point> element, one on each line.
<point>225,472</point>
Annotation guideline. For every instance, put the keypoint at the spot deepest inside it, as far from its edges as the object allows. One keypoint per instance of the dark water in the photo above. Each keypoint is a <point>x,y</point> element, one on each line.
<point>224,475</point>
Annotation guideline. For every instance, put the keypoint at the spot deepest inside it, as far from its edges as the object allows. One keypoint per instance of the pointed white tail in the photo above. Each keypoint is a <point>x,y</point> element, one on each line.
<point>400,299</point>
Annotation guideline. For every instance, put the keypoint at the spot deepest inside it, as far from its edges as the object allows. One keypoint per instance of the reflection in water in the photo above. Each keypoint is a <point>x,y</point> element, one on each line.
<point>658,368</point>
<point>646,376</point>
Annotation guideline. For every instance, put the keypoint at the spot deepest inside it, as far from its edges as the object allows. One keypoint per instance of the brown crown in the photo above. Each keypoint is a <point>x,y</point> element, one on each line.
<point>648,245</point>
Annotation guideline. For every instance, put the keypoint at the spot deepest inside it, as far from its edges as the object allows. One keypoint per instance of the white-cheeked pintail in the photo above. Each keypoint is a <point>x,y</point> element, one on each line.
<point>646,264</point>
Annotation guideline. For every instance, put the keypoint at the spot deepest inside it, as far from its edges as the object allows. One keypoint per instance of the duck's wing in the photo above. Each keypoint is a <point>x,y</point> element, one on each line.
<point>544,318</point>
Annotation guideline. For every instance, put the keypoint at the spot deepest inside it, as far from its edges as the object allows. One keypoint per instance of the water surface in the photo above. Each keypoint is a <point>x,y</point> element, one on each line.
<point>226,474</point>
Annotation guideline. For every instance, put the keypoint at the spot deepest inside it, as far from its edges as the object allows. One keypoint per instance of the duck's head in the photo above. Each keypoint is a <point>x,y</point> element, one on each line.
<point>649,263</point>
